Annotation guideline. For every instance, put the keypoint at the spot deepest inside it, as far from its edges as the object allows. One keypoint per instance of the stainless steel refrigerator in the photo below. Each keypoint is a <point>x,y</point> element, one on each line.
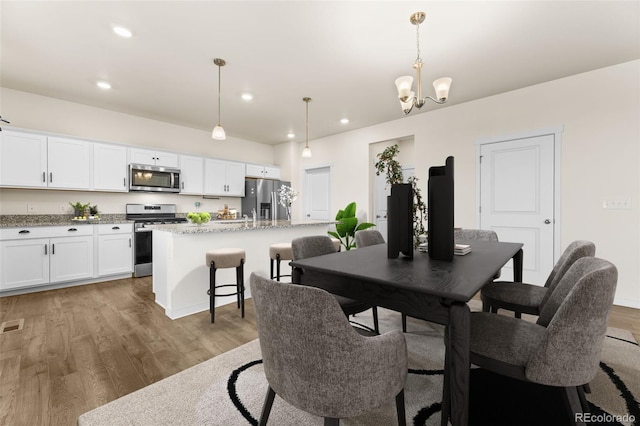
<point>262,195</point>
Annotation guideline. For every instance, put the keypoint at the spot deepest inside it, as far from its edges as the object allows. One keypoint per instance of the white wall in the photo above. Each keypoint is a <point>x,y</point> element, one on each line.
<point>600,113</point>
<point>34,112</point>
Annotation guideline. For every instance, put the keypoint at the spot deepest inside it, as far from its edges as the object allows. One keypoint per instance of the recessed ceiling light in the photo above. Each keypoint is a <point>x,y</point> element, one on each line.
<point>122,31</point>
<point>291,135</point>
<point>344,121</point>
<point>247,96</point>
<point>103,85</point>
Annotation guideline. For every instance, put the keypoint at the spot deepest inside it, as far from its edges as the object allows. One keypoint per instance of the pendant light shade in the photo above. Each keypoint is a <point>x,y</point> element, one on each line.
<point>218,132</point>
<point>306,152</point>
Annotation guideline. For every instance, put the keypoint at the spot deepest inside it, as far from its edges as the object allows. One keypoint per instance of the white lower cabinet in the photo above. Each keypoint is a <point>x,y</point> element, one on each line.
<point>115,249</point>
<point>70,259</point>
<point>24,263</point>
<point>37,256</point>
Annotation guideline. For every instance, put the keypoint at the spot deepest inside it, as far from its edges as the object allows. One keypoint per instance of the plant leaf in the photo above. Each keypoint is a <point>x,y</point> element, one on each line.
<point>364,225</point>
<point>350,210</point>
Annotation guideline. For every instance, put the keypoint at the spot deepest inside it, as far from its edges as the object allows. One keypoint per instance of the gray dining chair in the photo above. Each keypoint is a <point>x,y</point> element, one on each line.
<point>368,237</point>
<point>319,245</point>
<point>529,298</point>
<point>314,360</point>
<point>563,348</point>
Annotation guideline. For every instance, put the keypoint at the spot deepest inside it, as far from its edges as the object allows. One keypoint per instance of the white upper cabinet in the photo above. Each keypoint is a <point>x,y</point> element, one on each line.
<point>153,158</point>
<point>265,172</point>
<point>109,167</point>
<point>191,175</point>
<point>23,159</point>
<point>32,160</point>
<point>224,178</point>
<point>69,163</point>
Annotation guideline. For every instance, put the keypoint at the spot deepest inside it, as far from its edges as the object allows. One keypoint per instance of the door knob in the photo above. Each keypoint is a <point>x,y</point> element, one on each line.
<point>309,215</point>
<point>547,221</point>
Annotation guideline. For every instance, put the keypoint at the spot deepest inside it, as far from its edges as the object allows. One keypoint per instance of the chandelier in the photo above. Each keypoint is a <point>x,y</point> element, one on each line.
<point>306,152</point>
<point>218,132</point>
<point>407,97</point>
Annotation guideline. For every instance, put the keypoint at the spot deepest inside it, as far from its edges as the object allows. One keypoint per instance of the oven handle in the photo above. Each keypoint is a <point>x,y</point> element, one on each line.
<point>143,230</point>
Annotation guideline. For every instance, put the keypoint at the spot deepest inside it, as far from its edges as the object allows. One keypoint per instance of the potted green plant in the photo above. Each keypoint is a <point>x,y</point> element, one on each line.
<point>80,209</point>
<point>392,169</point>
<point>347,225</point>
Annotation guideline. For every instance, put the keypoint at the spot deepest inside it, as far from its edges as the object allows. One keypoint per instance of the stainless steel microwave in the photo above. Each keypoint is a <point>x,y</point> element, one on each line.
<point>153,178</point>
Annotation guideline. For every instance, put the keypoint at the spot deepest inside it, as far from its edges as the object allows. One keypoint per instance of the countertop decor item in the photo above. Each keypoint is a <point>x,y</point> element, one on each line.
<point>198,218</point>
<point>286,195</point>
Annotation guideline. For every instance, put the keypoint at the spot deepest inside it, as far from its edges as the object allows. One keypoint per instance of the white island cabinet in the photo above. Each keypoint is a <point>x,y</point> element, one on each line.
<point>180,275</point>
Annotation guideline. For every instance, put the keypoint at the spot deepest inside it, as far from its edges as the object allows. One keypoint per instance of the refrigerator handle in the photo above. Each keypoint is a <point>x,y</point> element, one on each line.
<point>274,207</point>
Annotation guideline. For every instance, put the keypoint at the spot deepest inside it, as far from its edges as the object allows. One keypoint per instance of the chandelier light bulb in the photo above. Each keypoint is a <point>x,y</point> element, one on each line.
<point>218,133</point>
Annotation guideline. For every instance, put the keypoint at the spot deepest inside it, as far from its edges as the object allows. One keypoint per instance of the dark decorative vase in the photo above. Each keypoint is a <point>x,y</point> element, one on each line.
<point>440,220</point>
<point>400,221</point>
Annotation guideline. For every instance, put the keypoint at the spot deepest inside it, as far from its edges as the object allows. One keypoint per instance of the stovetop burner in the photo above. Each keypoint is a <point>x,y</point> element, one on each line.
<point>153,214</point>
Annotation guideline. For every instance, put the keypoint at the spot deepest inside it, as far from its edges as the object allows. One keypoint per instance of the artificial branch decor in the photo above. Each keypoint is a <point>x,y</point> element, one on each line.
<point>392,169</point>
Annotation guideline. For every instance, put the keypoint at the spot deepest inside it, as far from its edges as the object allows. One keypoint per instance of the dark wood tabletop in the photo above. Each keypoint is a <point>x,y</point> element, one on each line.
<point>459,279</point>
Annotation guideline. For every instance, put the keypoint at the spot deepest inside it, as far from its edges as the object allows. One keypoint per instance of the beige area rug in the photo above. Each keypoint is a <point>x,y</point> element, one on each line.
<point>229,389</point>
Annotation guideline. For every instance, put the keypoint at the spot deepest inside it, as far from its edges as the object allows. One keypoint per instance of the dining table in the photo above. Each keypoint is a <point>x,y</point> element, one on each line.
<point>420,287</point>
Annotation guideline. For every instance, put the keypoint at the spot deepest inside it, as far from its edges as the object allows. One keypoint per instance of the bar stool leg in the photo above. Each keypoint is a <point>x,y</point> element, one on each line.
<point>278,266</point>
<point>212,292</point>
<point>240,286</point>
<point>271,275</point>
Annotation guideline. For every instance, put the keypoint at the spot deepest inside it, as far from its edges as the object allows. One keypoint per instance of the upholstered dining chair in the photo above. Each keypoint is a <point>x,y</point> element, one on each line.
<point>368,237</point>
<point>314,360</point>
<point>530,298</point>
<point>563,348</point>
<point>318,245</point>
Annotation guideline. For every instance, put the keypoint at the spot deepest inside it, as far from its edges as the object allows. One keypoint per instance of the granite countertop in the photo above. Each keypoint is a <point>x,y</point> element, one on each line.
<point>233,225</point>
<point>19,221</point>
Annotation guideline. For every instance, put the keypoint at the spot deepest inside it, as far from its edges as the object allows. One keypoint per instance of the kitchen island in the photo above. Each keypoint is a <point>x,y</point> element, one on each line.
<point>180,273</point>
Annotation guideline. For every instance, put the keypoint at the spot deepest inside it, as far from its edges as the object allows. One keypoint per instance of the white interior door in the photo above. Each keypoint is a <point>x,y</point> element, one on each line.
<point>517,199</point>
<point>317,184</point>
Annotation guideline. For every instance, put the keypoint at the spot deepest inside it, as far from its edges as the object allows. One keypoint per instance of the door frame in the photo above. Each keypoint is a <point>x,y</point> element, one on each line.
<point>556,132</point>
<point>303,179</point>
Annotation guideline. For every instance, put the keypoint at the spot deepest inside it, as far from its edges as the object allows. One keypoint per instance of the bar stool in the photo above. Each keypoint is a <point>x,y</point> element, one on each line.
<point>221,259</point>
<point>277,253</point>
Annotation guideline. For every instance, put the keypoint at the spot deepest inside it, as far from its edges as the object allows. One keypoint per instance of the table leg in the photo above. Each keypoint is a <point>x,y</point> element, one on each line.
<point>296,275</point>
<point>517,266</point>
<point>459,363</point>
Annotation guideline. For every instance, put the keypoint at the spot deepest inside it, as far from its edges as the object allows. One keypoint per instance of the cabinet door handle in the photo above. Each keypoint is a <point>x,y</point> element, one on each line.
<point>116,227</point>
<point>44,177</point>
<point>24,231</point>
<point>124,182</point>
<point>45,249</point>
<point>50,176</point>
<point>72,230</point>
<point>53,249</point>
<point>129,242</point>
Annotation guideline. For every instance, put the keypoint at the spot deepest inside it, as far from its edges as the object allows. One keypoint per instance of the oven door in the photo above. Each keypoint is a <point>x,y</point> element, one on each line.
<point>143,252</point>
<point>153,178</point>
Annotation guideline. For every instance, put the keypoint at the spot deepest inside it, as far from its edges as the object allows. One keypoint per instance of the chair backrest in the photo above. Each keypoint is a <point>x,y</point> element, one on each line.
<point>313,358</point>
<point>573,252</point>
<point>315,245</point>
<point>475,234</point>
<point>576,322</point>
<point>368,237</point>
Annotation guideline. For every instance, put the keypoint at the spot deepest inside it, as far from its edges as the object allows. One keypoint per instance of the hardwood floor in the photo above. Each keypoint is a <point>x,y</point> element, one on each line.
<point>82,347</point>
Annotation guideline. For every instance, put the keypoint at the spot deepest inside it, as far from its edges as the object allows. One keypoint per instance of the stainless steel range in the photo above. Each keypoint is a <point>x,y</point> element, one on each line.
<point>148,214</point>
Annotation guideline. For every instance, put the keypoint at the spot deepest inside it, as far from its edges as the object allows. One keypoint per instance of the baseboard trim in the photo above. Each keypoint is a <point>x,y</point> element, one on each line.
<point>629,303</point>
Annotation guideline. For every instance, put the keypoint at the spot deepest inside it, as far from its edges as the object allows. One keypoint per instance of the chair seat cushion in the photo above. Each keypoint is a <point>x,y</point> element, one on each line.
<point>521,294</point>
<point>351,306</point>
<point>506,339</point>
<point>283,249</point>
<point>226,258</point>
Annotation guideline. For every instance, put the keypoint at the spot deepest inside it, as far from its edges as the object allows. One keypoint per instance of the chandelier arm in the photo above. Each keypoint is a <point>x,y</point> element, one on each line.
<point>434,100</point>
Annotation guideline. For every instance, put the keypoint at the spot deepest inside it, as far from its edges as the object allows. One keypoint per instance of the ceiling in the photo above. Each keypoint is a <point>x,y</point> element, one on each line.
<point>345,55</point>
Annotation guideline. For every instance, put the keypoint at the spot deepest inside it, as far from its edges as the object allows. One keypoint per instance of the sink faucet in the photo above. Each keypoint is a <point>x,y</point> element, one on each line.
<point>253,213</point>
<point>246,220</point>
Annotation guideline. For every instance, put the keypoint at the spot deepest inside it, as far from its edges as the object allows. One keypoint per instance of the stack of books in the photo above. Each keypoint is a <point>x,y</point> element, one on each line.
<point>461,249</point>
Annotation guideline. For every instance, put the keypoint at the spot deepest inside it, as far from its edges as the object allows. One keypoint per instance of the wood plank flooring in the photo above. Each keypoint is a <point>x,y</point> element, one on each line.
<point>84,346</point>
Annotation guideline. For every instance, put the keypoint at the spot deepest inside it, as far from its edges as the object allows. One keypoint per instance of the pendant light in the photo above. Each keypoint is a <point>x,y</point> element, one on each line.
<point>306,152</point>
<point>218,132</point>
<point>406,96</point>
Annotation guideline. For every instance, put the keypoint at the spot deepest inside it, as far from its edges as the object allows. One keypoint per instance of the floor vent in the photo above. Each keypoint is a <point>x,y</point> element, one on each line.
<point>13,325</point>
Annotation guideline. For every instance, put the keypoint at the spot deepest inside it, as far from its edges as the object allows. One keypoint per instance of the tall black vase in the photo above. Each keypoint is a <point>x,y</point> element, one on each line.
<point>400,221</point>
<point>440,199</point>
